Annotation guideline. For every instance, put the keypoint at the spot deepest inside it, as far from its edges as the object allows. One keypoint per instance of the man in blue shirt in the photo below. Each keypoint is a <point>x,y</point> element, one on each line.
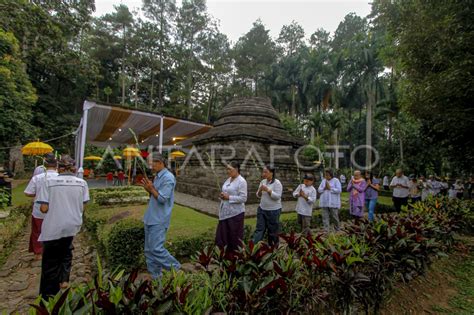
<point>157,217</point>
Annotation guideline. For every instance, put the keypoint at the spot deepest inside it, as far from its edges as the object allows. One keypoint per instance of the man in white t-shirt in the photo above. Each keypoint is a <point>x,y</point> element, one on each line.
<point>62,198</point>
<point>386,183</point>
<point>32,190</point>
<point>342,180</point>
<point>400,186</point>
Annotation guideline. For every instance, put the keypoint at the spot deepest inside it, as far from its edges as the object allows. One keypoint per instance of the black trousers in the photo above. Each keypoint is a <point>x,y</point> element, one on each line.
<point>55,265</point>
<point>399,202</point>
<point>267,221</point>
<point>230,232</point>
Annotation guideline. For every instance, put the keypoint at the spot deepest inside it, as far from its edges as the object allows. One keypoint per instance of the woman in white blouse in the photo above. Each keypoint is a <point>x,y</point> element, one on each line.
<point>268,213</point>
<point>330,199</point>
<point>230,230</point>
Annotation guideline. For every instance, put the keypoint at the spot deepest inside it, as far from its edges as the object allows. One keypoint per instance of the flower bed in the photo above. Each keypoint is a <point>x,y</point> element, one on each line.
<point>347,272</point>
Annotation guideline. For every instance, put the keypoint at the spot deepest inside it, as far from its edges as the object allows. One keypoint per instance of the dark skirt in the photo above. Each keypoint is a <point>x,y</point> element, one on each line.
<point>230,232</point>
<point>35,246</point>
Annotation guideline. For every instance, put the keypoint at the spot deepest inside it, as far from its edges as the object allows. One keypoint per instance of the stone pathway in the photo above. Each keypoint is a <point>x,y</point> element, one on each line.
<point>20,276</point>
<point>212,207</point>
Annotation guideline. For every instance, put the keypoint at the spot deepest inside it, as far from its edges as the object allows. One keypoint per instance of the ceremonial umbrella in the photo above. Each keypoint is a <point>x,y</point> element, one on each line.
<point>117,157</point>
<point>177,154</point>
<point>130,153</point>
<point>36,148</point>
<point>92,158</point>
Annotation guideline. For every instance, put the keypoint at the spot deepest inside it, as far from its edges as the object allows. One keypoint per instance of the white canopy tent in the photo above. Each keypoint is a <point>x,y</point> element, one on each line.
<point>106,125</point>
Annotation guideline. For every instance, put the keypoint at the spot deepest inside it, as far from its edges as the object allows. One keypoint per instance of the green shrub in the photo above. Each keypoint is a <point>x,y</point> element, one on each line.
<point>124,244</point>
<point>188,246</point>
<point>317,222</point>
<point>120,197</point>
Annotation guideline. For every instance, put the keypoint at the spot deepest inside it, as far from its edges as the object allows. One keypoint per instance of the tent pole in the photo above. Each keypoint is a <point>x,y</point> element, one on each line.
<point>77,141</point>
<point>83,136</point>
<point>160,148</point>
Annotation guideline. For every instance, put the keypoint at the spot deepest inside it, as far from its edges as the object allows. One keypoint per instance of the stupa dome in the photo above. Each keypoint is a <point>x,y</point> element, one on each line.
<point>252,118</point>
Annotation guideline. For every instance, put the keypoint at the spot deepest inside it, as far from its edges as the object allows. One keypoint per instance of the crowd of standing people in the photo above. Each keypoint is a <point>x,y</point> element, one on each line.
<point>60,197</point>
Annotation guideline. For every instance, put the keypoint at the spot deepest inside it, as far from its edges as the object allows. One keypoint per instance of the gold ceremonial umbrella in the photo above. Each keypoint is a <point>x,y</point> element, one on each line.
<point>130,153</point>
<point>36,148</point>
<point>117,157</point>
<point>92,158</point>
<point>177,154</point>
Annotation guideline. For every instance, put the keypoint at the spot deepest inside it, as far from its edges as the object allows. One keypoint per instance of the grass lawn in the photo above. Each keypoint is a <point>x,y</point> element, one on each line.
<point>18,197</point>
<point>188,222</point>
<point>184,221</point>
<point>463,301</point>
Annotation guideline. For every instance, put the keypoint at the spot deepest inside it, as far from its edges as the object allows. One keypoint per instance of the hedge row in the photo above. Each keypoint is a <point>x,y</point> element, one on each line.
<point>122,244</point>
<point>119,195</point>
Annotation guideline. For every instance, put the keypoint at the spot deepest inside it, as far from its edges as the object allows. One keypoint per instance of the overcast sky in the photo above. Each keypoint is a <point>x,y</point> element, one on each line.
<point>236,16</point>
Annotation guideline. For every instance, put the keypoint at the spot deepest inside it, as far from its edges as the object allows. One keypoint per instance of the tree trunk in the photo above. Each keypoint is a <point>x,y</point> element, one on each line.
<point>16,164</point>
<point>152,89</point>
<point>256,86</point>
<point>368,130</point>
<point>336,151</point>
<point>209,107</point>
<point>401,146</point>
<point>189,83</point>
<point>160,93</point>
<point>390,122</point>
<point>123,86</point>
<point>136,90</point>
<point>293,101</point>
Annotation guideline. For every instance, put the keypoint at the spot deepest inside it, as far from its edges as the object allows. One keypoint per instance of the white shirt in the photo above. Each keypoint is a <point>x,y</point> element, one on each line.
<point>330,198</point>
<point>427,190</point>
<point>33,188</point>
<point>452,193</point>
<point>343,178</point>
<point>400,192</point>
<point>436,186</point>
<point>273,201</point>
<point>65,194</point>
<point>303,206</point>
<point>237,190</point>
<point>385,180</point>
<point>39,170</point>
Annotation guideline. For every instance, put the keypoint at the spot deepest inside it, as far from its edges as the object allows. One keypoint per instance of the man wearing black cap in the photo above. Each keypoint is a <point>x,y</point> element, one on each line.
<point>37,216</point>
<point>62,198</point>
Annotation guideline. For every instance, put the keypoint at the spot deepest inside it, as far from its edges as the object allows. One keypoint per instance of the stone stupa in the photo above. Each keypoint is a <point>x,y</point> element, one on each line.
<point>252,127</point>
